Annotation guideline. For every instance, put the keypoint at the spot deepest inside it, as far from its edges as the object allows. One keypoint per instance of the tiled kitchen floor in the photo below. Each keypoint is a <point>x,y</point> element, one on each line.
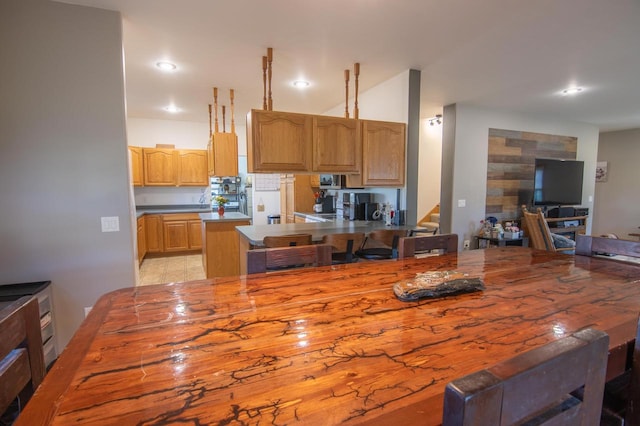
<point>162,270</point>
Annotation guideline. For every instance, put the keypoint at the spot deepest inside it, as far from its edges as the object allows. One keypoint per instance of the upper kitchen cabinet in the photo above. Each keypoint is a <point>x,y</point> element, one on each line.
<point>336,145</point>
<point>192,167</point>
<point>278,142</point>
<point>171,167</point>
<point>135,152</point>
<point>160,166</point>
<point>383,155</point>
<point>223,154</point>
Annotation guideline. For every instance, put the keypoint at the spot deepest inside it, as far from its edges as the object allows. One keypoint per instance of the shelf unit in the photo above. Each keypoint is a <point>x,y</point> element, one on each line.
<point>557,225</point>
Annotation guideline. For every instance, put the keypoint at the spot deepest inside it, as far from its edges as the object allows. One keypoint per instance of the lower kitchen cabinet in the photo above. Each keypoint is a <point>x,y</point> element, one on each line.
<point>153,227</point>
<point>181,232</point>
<point>142,239</point>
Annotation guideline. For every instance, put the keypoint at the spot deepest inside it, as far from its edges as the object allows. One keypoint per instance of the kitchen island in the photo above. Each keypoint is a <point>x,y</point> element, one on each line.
<point>253,235</point>
<point>220,243</point>
<point>324,346</point>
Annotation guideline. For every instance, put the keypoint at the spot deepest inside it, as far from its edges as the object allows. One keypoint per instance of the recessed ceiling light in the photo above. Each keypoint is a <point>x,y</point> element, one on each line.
<point>572,90</point>
<point>300,84</point>
<point>166,66</point>
<point>172,109</point>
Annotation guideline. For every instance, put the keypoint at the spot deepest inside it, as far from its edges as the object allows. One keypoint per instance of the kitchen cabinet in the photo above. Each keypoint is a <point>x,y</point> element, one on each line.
<point>222,153</point>
<point>296,195</point>
<point>153,230</point>
<point>278,141</point>
<point>181,232</point>
<point>315,181</point>
<point>160,166</point>
<point>172,167</point>
<point>141,239</point>
<point>336,145</point>
<point>383,155</point>
<point>192,167</point>
<point>135,153</point>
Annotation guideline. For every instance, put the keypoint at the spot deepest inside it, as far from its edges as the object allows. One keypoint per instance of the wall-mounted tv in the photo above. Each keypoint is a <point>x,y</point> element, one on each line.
<point>557,182</point>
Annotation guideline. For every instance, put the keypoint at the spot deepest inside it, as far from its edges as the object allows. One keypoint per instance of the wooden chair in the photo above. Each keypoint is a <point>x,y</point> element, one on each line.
<point>422,231</point>
<point>539,233</point>
<point>587,245</point>
<point>282,258</point>
<point>385,244</point>
<point>415,246</point>
<point>561,383</point>
<point>287,240</point>
<point>22,365</point>
<point>343,245</point>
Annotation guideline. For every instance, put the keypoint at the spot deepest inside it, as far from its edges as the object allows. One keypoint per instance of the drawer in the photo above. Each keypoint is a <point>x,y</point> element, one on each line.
<point>50,354</point>
<point>47,332</point>
<point>180,216</point>
<point>44,302</point>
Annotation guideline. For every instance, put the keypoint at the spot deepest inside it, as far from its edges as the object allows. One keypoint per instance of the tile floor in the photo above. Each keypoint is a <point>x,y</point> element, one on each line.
<point>160,270</point>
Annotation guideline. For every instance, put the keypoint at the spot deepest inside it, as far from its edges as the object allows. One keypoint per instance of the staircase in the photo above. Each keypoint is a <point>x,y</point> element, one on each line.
<point>432,219</point>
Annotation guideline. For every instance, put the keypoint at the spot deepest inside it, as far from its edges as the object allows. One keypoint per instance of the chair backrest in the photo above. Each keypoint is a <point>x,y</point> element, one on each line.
<point>632,414</point>
<point>412,246</point>
<point>279,258</point>
<point>287,240</point>
<point>21,355</point>
<point>544,383</point>
<point>385,236</point>
<point>422,231</point>
<point>343,245</point>
<point>538,230</point>
<point>587,245</point>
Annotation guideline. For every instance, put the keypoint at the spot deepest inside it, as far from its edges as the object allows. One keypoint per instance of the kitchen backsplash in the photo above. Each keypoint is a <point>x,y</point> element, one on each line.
<point>166,196</point>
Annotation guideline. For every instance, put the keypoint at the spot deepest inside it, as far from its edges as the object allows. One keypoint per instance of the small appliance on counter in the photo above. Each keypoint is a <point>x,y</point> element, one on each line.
<point>331,181</point>
<point>353,205</point>
<point>327,204</point>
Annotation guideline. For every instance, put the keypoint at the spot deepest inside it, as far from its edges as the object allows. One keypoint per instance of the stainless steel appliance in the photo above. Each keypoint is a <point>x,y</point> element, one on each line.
<point>353,205</point>
<point>229,188</point>
<point>331,181</point>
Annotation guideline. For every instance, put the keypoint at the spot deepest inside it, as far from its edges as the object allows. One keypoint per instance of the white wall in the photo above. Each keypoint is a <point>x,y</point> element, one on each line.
<point>617,201</point>
<point>470,134</point>
<point>64,154</point>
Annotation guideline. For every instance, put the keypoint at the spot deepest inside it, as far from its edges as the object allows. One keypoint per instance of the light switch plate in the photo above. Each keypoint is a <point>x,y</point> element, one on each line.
<point>110,224</point>
<point>462,203</point>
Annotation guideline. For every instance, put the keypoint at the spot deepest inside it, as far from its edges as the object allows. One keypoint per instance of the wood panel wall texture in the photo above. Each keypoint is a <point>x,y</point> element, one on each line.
<point>510,167</point>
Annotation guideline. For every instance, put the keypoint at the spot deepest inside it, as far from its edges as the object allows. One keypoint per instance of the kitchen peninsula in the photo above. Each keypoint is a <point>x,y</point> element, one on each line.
<point>253,235</point>
<point>220,243</point>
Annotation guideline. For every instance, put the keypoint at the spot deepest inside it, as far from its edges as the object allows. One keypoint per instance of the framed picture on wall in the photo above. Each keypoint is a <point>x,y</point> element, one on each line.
<point>601,171</point>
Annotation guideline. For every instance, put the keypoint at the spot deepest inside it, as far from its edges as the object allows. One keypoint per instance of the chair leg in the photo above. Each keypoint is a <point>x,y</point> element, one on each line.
<point>349,254</point>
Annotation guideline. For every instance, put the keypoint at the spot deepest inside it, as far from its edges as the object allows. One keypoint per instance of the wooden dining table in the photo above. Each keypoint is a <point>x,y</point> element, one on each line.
<point>327,345</point>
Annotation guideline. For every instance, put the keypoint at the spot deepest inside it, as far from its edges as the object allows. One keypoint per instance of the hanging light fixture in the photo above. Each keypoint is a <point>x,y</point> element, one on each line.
<point>435,120</point>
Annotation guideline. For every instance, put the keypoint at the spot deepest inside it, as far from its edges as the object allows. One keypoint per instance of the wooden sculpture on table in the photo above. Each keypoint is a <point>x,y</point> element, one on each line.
<point>222,151</point>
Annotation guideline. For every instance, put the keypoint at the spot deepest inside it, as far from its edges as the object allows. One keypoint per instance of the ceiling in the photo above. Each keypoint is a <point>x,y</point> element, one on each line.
<point>515,55</point>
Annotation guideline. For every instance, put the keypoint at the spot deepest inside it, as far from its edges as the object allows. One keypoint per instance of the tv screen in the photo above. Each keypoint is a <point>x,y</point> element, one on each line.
<point>557,182</point>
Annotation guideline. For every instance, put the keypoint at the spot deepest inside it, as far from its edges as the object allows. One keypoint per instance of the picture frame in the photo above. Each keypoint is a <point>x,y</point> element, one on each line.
<point>601,171</point>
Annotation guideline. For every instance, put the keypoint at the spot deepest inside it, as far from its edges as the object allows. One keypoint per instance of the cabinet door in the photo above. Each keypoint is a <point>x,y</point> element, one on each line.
<point>195,234</point>
<point>303,197</point>
<point>159,166</point>
<point>225,154</point>
<point>337,145</point>
<point>176,235</point>
<point>135,152</point>
<point>283,198</point>
<point>278,141</point>
<point>291,193</point>
<point>192,167</point>
<point>383,153</point>
<point>142,239</point>
<point>153,227</point>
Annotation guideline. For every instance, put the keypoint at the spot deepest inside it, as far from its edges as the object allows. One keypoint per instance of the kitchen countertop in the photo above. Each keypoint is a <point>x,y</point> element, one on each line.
<point>319,217</point>
<point>255,233</point>
<point>227,217</point>
<point>167,209</point>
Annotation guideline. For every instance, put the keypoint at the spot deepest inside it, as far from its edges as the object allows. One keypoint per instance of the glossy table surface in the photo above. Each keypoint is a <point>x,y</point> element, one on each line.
<point>322,346</point>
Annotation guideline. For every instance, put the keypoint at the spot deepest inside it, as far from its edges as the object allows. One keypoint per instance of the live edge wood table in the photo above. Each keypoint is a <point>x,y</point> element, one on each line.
<point>326,345</point>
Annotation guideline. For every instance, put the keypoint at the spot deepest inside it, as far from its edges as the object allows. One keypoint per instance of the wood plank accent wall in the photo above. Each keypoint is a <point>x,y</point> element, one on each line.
<point>510,167</point>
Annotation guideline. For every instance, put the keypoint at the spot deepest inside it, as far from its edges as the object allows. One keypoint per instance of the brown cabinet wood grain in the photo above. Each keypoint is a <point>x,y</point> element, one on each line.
<point>153,227</point>
<point>337,147</point>
<point>383,155</point>
<point>296,195</point>
<point>278,141</point>
<point>223,154</point>
<point>181,232</point>
<point>160,166</point>
<point>137,179</point>
<point>141,237</point>
<point>195,234</point>
<point>192,167</point>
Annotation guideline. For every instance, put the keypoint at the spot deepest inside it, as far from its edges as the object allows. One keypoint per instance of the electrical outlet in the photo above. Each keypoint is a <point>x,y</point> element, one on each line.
<point>466,244</point>
<point>110,223</point>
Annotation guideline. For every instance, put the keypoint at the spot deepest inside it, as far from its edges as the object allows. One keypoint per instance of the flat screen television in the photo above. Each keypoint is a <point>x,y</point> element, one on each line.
<point>557,182</point>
